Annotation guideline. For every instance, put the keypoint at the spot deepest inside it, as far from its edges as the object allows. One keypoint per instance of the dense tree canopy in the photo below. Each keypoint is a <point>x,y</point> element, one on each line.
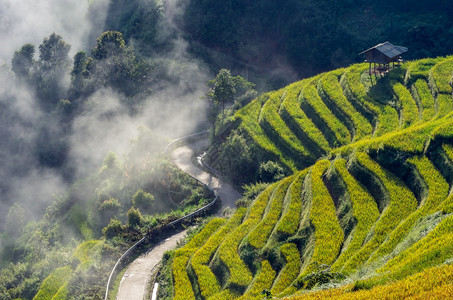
<point>109,44</point>
<point>318,35</point>
<point>54,53</point>
<point>303,36</point>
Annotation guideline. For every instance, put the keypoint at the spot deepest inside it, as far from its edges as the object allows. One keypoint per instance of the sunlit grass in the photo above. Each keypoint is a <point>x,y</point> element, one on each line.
<point>332,88</point>
<point>291,269</point>
<point>401,203</point>
<point>364,210</point>
<point>207,281</point>
<point>182,284</point>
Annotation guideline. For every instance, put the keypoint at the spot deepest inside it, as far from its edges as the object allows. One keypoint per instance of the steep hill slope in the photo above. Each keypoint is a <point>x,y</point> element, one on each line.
<point>376,207</point>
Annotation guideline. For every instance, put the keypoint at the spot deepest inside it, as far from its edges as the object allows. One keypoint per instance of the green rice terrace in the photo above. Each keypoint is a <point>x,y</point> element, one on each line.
<point>366,209</point>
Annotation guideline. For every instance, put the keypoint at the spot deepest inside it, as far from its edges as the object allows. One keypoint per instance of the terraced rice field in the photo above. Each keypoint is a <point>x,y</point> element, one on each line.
<point>372,163</point>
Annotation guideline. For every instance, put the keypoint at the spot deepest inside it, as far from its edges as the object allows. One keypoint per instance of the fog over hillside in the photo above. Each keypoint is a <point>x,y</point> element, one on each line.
<point>103,123</point>
<point>26,21</point>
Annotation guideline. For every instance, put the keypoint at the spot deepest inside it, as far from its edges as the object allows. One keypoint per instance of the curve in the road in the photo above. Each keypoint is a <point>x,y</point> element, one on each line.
<point>182,157</point>
<point>135,279</point>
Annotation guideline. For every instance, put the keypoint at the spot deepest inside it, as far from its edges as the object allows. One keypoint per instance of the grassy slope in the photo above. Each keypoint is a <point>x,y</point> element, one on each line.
<point>383,212</point>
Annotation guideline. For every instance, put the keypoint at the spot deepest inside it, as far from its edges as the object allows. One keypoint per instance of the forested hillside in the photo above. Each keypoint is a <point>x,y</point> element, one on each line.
<point>367,201</point>
<point>84,175</point>
<point>289,40</point>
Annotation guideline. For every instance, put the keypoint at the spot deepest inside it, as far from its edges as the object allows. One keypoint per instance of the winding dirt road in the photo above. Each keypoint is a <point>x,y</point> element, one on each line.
<point>182,157</point>
<point>135,279</point>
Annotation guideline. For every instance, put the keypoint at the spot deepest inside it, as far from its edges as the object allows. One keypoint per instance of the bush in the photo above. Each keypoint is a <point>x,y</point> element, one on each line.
<point>237,156</point>
<point>111,165</point>
<point>143,201</point>
<point>134,217</point>
<point>113,229</point>
<point>164,276</point>
<point>109,208</point>
<point>361,285</point>
<point>270,171</point>
<point>250,192</point>
<point>15,220</point>
<point>322,276</point>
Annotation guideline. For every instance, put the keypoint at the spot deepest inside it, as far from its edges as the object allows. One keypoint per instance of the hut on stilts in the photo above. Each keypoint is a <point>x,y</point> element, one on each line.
<point>383,55</point>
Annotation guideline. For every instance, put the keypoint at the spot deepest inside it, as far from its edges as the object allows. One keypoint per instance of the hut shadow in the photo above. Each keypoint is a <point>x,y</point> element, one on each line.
<point>380,88</point>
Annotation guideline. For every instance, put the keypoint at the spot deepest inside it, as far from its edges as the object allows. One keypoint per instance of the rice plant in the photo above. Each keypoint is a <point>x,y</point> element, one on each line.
<point>438,191</point>
<point>289,222</point>
<point>422,91</point>
<point>258,237</point>
<point>310,96</point>
<point>332,88</point>
<point>364,210</point>
<point>263,281</point>
<point>182,284</point>
<point>291,269</point>
<point>240,275</point>
<point>401,202</point>
<point>207,281</point>
<point>409,109</point>
<point>328,233</point>
<point>291,112</point>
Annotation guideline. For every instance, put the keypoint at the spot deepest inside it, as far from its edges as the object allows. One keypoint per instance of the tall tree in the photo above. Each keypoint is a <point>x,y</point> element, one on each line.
<point>115,65</point>
<point>52,70</point>
<point>225,89</point>
<point>54,53</point>
<point>109,44</point>
<point>22,62</point>
<point>78,74</point>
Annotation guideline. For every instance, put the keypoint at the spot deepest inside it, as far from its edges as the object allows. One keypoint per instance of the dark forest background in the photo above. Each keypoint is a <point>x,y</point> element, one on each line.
<point>285,40</point>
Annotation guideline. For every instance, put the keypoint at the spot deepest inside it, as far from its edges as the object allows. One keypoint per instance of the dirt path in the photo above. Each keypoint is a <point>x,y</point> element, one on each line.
<point>135,279</point>
<point>182,157</point>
